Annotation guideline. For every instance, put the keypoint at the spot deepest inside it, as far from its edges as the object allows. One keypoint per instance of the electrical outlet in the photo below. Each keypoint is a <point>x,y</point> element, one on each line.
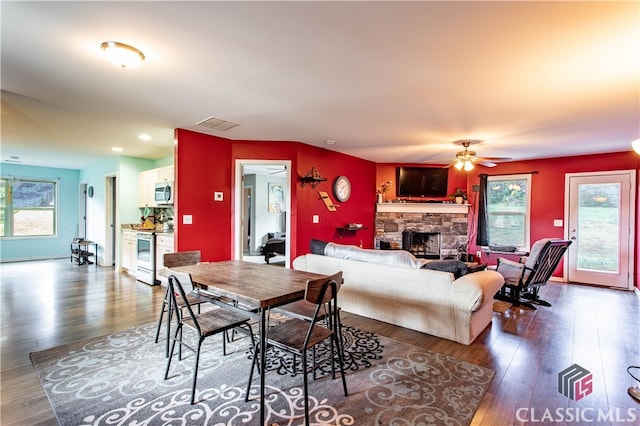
<point>478,254</point>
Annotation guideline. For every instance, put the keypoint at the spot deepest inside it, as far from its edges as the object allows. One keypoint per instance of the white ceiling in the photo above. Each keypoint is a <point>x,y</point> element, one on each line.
<point>388,81</point>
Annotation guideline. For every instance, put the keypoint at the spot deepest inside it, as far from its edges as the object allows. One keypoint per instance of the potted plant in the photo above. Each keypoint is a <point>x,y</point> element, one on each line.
<point>459,196</point>
<point>382,191</point>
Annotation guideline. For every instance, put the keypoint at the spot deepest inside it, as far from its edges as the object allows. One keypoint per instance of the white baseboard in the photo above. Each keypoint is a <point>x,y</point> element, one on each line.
<point>24,259</point>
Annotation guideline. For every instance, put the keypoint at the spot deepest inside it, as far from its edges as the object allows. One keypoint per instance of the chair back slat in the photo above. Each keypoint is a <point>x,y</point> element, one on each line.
<point>179,298</point>
<point>547,261</point>
<point>182,258</point>
<point>320,291</point>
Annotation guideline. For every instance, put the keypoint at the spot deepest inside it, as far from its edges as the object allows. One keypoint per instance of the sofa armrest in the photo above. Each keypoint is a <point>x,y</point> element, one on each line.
<point>300,263</point>
<point>471,290</point>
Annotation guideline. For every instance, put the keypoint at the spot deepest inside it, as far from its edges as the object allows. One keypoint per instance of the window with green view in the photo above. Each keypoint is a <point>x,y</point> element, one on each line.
<point>27,207</point>
<point>508,210</point>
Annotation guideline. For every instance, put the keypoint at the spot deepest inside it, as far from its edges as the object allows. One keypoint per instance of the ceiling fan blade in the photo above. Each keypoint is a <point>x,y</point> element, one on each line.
<point>496,159</point>
<point>491,161</point>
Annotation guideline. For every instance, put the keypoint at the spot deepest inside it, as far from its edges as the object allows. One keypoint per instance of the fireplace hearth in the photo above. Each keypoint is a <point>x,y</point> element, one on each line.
<point>425,245</point>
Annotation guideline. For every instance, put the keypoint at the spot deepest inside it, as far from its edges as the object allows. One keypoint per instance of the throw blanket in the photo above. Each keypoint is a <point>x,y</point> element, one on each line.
<point>382,257</point>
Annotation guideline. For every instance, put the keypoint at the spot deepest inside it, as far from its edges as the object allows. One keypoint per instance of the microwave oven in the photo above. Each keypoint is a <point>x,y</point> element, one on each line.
<point>163,193</point>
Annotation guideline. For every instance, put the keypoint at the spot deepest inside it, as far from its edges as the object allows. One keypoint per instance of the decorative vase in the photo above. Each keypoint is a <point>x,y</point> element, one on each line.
<point>459,200</point>
<point>380,198</point>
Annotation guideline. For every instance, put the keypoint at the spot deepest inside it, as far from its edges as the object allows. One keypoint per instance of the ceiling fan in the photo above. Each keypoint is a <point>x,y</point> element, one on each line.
<point>466,159</point>
<point>277,170</point>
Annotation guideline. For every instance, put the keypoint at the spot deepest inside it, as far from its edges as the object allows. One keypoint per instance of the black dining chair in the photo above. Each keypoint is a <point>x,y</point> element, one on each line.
<point>206,324</point>
<point>193,299</point>
<point>298,336</point>
<point>305,310</point>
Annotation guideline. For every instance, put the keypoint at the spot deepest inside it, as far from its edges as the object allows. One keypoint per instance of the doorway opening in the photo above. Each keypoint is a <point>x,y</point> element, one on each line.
<point>600,217</point>
<point>82,211</point>
<point>263,209</point>
<point>111,218</point>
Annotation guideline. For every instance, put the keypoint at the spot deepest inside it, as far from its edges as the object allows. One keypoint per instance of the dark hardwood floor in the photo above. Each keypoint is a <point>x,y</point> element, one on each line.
<point>48,303</point>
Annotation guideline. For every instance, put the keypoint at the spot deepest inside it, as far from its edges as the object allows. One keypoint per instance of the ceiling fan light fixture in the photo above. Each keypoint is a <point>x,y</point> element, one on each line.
<point>122,54</point>
<point>636,145</point>
<point>459,164</point>
<point>468,165</point>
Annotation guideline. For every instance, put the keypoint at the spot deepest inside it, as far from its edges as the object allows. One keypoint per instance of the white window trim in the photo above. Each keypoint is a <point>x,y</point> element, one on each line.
<point>9,209</point>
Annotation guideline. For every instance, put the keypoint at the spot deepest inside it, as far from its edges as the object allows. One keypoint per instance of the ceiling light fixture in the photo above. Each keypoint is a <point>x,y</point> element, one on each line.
<point>144,137</point>
<point>636,145</point>
<point>122,55</point>
<point>464,159</point>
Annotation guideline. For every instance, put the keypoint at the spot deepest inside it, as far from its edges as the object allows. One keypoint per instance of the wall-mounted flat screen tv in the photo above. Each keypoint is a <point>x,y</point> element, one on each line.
<point>421,181</point>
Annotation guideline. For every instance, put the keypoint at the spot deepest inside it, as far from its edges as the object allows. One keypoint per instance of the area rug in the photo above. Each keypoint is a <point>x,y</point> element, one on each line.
<point>500,306</point>
<point>117,379</point>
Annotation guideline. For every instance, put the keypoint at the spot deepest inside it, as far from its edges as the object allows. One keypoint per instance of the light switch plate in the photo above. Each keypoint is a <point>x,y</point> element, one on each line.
<point>187,219</point>
<point>217,196</point>
<point>557,223</point>
<point>316,218</point>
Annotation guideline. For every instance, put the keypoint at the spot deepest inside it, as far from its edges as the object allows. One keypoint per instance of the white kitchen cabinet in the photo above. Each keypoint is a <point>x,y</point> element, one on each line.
<point>146,188</point>
<point>164,244</point>
<point>129,250</point>
<point>164,174</point>
<point>147,184</point>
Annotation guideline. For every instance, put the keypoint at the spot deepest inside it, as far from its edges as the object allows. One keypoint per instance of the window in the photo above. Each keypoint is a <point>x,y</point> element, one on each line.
<point>27,207</point>
<point>508,201</point>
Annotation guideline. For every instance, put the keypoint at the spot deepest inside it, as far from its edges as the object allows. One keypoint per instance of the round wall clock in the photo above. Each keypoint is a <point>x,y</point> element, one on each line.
<point>342,188</point>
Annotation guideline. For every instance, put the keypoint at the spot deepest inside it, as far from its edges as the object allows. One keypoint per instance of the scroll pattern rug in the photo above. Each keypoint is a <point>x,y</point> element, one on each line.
<point>117,379</point>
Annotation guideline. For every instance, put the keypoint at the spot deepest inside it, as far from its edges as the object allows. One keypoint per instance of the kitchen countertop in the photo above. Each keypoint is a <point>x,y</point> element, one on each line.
<point>138,228</point>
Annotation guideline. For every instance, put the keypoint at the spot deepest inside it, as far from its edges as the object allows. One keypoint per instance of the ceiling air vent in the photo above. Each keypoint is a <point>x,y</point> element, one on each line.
<point>218,123</point>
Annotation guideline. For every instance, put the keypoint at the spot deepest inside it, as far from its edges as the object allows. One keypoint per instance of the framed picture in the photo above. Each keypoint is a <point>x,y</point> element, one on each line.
<point>276,197</point>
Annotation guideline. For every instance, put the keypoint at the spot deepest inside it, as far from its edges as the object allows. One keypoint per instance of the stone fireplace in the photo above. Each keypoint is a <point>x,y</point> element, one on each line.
<point>425,245</point>
<point>447,221</point>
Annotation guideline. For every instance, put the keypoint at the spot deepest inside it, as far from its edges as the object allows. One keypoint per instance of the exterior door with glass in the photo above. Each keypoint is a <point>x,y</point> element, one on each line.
<point>600,224</point>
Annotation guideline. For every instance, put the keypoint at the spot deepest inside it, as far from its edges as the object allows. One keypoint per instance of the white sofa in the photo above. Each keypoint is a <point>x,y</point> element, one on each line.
<point>425,300</point>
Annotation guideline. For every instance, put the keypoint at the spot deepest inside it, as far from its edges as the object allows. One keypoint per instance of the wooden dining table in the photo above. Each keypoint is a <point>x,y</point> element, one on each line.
<point>257,288</point>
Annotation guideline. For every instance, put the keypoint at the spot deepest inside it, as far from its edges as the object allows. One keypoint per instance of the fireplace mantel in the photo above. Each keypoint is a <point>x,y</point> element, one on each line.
<point>422,208</point>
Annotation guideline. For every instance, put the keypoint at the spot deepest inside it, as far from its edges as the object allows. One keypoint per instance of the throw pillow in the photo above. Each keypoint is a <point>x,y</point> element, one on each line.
<point>456,267</point>
<point>317,246</point>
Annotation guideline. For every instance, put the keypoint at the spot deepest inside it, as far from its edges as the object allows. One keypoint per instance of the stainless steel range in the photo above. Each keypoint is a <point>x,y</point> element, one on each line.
<point>146,249</point>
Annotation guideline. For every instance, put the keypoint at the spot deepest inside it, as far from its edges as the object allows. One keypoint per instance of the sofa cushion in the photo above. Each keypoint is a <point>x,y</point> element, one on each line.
<point>381,257</point>
<point>456,267</point>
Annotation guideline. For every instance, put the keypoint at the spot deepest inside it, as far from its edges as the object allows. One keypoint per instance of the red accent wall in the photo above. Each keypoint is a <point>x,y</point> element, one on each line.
<point>547,192</point>
<point>360,208</point>
<point>386,172</point>
<point>205,164</point>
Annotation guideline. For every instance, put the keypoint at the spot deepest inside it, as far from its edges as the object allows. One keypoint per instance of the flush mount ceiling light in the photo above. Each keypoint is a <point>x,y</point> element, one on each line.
<point>122,55</point>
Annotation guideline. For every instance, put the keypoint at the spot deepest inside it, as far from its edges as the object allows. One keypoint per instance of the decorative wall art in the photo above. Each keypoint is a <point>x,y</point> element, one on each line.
<point>276,197</point>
